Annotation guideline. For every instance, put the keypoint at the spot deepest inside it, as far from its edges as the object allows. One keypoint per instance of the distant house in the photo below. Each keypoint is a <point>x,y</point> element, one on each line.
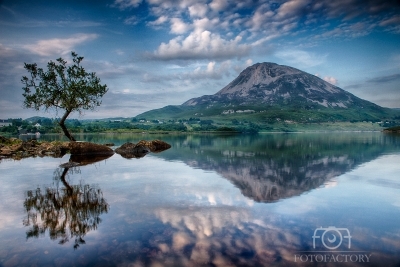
<point>4,123</point>
<point>37,125</point>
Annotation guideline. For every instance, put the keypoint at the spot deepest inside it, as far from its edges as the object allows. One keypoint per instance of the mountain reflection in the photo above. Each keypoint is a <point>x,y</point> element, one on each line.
<point>270,167</point>
<point>65,211</point>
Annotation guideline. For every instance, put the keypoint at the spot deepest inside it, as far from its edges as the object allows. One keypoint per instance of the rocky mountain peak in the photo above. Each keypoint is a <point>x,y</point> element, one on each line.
<point>273,84</point>
<point>257,74</point>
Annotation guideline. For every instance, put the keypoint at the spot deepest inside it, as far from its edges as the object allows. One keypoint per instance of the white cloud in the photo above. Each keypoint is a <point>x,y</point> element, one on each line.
<point>58,46</point>
<point>201,45</point>
<point>249,62</point>
<point>204,24</point>
<point>159,21</point>
<point>6,51</point>
<point>178,26</point>
<point>133,20</point>
<point>123,4</point>
<point>219,5</point>
<point>292,8</point>
<point>331,80</point>
<point>395,20</point>
<point>198,10</point>
<point>301,58</point>
<point>212,71</point>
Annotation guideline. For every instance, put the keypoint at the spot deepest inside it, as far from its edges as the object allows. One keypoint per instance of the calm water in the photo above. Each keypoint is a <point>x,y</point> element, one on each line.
<point>228,200</point>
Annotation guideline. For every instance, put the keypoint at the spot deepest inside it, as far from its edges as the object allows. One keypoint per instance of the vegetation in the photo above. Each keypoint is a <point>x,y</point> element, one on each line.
<point>239,124</point>
<point>69,88</point>
<point>394,129</point>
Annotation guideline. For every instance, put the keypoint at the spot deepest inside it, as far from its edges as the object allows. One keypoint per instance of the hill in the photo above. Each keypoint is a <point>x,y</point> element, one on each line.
<point>268,93</point>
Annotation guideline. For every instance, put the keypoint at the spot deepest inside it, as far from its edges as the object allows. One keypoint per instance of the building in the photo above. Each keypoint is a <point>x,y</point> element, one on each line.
<point>5,123</point>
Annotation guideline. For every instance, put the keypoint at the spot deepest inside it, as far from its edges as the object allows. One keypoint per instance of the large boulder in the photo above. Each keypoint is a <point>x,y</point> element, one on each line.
<point>142,148</point>
<point>84,148</point>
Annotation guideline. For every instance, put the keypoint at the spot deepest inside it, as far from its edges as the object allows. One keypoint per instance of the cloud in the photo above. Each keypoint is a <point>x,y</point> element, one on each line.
<point>292,8</point>
<point>257,23</point>
<point>159,21</point>
<point>212,71</point>
<point>331,80</point>
<point>395,20</point>
<point>385,79</point>
<point>133,20</point>
<point>201,45</point>
<point>198,10</point>
<point>124,4</point>
<point>219,5</point>
<point>58,46</point>
<point>178,26</point>
<point>302,58</point>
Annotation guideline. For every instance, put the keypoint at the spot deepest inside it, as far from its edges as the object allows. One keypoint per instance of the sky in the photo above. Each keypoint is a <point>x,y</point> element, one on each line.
<point>153,53</point>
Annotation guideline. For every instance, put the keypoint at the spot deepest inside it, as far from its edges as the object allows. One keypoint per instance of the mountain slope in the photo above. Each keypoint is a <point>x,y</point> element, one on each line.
<point>266,92</point>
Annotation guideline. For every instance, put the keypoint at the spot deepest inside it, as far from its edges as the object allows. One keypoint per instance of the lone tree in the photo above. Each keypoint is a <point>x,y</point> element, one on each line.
<point>69,88</point>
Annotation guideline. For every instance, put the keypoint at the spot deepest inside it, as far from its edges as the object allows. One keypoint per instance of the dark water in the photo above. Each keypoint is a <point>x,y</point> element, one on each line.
<point>210,200</point>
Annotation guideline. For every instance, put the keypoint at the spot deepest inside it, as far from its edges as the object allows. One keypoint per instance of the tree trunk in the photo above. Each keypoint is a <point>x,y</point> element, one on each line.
<point>64,128</point>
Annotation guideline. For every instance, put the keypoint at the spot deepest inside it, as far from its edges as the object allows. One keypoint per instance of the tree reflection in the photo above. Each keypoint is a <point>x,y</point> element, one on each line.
<point>65,211</point>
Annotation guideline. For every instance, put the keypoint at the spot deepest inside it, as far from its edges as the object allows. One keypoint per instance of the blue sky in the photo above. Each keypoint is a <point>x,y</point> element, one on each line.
<point>153,53</point>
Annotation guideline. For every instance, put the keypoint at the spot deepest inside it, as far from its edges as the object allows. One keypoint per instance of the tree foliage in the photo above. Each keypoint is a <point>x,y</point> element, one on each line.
<point>69,88</point>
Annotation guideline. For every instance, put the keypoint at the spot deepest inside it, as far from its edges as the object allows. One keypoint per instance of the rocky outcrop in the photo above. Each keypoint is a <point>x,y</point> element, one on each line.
<point>18,149</point>
<point>88,152</point>
<point>142,148</point>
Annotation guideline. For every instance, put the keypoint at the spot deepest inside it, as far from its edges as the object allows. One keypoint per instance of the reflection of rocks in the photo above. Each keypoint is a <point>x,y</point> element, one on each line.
<point>82,160</point>
<point>141,149</point>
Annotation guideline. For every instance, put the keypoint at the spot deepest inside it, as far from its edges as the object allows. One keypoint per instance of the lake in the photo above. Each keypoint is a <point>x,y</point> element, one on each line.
<point>300,199</point>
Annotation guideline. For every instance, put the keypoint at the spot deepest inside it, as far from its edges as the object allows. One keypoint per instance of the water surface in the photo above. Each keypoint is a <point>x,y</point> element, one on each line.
<point>210,200</point>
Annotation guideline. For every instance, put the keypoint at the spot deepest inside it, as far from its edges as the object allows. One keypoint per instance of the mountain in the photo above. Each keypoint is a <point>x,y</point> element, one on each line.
<point>273,84</point>
<point>268,92</point>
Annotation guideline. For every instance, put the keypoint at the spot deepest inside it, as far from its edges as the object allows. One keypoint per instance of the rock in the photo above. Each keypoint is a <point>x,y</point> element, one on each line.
<point>18,149</point>
<point>89,148</point>
<point>131,150</point>
<point>5,152</point>
<point>160,145</point>
<point>142,148</point>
